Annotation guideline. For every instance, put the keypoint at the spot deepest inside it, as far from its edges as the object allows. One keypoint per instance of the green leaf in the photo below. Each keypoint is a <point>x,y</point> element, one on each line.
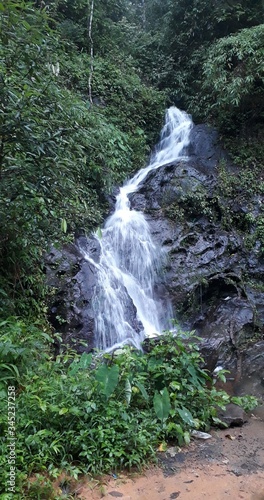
<point>99,233</point>
<point>43,405</point>
<point>64,226</point>
<point>63,411</point>
<point>47,337</point>
<point>192,372</point>
<point>85,360</point>
<point>162,404</point>
<point>108,378</point>
<point>128,391</point>
<point>142,390</point>
<point>186,416</point>
<point>11,368</point>
<point>82,364</point>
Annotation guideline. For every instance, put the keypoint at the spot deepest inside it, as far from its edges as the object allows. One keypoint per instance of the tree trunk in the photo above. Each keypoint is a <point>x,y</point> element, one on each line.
<point>144,15</point>
<point>90,22</point>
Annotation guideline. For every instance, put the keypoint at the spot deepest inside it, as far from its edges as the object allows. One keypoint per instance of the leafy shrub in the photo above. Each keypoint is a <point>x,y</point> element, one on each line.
<point>95,414</point>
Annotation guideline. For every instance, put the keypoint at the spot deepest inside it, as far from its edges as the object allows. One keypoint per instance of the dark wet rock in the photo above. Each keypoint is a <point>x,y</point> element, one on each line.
<point>148,344</point>
<point>233,415</point>
<point>72,279</point>
<point>89,246</point>
<point>213,281</point>
<point>254,360</point>
<point>204,144</point>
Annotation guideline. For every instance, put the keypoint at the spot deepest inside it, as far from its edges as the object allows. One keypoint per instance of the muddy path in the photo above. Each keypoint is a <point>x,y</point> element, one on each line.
<point>229,465</point>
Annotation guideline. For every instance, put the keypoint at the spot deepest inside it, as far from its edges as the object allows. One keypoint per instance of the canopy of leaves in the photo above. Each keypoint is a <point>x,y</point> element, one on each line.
<point>59,156</point>
<point>234,73</point>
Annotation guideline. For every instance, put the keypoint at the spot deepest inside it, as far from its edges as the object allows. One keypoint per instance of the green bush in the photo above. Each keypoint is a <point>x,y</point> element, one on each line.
<point>100,413</point>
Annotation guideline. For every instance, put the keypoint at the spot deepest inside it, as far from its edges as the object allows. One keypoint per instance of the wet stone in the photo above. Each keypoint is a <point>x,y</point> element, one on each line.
<point>233,416</point>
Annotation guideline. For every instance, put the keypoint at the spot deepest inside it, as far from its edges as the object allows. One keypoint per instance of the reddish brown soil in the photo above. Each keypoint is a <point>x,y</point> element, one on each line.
<point>230,465</point>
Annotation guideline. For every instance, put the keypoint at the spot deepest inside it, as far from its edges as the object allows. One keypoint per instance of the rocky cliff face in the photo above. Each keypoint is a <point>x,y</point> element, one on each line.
<point>212,279</point>
<point>215,282</point>
<point>72,280</point>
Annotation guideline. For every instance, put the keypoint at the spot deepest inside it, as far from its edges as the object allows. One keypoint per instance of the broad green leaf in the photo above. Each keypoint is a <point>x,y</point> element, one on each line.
<point>186,416</point>
<point>108,378</point>
<point>175,386</point>
<point>85,360</point>
<point>43,405</point>
<point>162,404</point>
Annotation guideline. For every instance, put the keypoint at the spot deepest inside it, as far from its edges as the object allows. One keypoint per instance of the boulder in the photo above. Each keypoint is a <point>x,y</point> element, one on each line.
<point>232,416</point>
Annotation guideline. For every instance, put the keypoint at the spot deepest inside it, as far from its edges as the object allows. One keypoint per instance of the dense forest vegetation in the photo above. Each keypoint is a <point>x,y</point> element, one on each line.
<point>83,89</point>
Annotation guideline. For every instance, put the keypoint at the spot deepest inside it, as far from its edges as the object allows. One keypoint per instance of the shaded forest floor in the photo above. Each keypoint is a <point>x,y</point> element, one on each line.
<point>230,465</point>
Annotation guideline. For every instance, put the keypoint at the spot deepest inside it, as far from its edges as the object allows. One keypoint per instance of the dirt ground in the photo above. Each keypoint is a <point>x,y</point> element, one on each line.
<point>229,465</point>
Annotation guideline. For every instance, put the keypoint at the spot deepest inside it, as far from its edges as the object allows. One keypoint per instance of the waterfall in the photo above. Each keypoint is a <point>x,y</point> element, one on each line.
<point>125,307</point>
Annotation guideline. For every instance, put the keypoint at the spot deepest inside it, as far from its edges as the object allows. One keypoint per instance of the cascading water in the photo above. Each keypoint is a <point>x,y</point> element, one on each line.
<point>129,259</point>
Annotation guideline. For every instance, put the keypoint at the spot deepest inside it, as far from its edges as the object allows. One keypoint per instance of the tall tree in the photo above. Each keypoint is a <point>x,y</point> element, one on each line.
<point>90,23</point>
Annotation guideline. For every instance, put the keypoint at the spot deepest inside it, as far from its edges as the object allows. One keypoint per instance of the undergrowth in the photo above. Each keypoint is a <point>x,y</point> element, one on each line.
<point>97,413</point>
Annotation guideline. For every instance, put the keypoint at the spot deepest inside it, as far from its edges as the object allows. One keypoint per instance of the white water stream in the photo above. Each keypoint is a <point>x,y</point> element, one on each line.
<point>129,259</point>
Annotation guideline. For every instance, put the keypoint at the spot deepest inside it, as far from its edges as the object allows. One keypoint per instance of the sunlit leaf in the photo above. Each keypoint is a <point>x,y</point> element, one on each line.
<point>128,391</point>
<point>64,225</point>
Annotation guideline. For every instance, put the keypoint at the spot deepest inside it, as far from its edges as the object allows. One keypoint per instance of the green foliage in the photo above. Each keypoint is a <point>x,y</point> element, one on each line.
<point>216,51</point>
<point>234,75</point>
<point>248,403</point>
<point>118,94</point>
<point>59,157</point>
<point>101,413</point>
<point>40,489</point>
<point>17,340</point>
<point>231,194</point>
